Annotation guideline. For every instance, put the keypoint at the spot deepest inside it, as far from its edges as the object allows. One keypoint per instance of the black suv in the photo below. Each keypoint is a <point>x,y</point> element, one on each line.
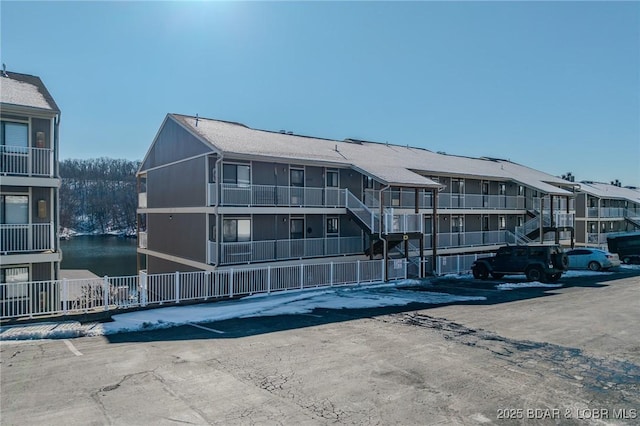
<point>538,262</point>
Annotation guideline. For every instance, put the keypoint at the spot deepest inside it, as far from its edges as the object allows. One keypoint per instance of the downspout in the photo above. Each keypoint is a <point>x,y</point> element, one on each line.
<point>385,253</point>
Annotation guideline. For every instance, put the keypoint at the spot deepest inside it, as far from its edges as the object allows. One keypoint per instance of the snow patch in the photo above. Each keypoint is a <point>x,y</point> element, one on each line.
<point>281,303</point>
<point>532,284</point>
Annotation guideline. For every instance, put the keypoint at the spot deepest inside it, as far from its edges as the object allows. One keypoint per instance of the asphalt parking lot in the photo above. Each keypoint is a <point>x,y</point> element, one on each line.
<point>566,355</point>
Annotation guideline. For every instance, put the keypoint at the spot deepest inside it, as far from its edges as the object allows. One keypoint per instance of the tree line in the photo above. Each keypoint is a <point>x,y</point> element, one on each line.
<point>98,194</point>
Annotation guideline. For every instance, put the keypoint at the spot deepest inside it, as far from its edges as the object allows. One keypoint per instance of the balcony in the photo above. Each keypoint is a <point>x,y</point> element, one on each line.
<point>265,251</point>
<point>479,201</point>
<point>606,212</point>
<point>26,161</point>
<point>470,239</point>
<point>275,196</point>
<point>401,223</point>
<point>25,238</point>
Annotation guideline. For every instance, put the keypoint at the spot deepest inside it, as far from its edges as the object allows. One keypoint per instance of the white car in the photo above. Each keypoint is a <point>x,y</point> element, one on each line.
<point>593,259</point>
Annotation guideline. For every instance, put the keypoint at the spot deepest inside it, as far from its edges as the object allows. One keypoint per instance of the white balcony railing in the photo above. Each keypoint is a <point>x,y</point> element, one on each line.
<point>264,251</point>
<point>470,239</point>
<point>559,204</point>
<point>606,212</point>
<point>597,238</point>
<point>271,195</point>
<point>402,223</point>
<point>26,161</point>
<point>21,238</point>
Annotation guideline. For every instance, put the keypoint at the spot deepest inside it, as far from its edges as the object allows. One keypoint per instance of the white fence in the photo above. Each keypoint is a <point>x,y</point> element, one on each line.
<point>67,297</point>
<point>457,264</point>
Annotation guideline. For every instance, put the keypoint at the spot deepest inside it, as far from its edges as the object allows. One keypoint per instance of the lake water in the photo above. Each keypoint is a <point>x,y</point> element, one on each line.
<point>102,255</point>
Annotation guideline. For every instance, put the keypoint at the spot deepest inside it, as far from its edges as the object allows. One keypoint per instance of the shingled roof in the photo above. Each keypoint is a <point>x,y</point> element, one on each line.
<point>390,164</point>
<point>25,90</point>
<point>605,190</point>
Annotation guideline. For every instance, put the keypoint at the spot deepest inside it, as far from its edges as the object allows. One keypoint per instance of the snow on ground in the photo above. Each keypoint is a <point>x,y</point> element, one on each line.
<point>531,284</point>
<point>281,303</point>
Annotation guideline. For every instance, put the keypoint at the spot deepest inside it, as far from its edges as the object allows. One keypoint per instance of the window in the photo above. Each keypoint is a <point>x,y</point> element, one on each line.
<point>502,189</point>
<point>237,174</point>
<point>15,135</point>
<point>521,191</point>
<point>297,177</point>
<point>502,222</point>
<point>297,229</point>
<point>367,181</point>
<point>485,223</point>
<point>14,209</point>
<point>485,188</point>
<point>236,230</point>
<point>457,186</point>
<point>332,225</point>
<point>520,221</point>
<point>521,251</point>
<point>457,224</point>
<point>332,179</point>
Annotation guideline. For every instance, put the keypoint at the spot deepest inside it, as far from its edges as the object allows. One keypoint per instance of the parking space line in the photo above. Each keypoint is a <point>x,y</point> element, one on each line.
<point>72,348</point>
<point>213,330</point>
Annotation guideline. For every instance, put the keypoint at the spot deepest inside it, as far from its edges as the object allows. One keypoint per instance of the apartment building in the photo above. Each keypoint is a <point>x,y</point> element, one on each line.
<point>603,209</point>
<point>29,183</point>
<point>216,194</point>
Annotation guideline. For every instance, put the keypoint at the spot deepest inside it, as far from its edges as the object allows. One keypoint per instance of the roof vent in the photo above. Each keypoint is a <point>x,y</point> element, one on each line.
<point>4,70</point>
<point>289,132</point>
<point>283,131</point>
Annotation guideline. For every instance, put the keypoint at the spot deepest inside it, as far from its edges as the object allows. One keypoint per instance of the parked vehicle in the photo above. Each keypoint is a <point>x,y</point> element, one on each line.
<point>626,245</point>
<point>593,259</point>
<point>536,262</point>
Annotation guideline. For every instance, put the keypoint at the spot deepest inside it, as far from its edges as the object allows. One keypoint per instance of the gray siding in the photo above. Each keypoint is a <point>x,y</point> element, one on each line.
<point>264,227</point>
<point>352,181</point>
<point>178,185</point>
<point>315,225</point>
<point>472,223</point>
<point>348,227</point>
<point>172,144</point>
<point>182,235</point>
<point>41,125</point>
<point>268,174</point>
<point>313,177</point>
<point>581,205</point>
<point>41,272</point>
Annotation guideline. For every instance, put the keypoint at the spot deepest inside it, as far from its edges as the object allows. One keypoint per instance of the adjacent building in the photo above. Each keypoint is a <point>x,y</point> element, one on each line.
<point>29,183</point>
<point>216,194</point>
<point>603,209</point>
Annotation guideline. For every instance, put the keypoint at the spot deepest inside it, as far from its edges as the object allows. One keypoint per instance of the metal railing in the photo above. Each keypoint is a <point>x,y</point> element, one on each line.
<point>559,204</point>
<point>264,251</point>
<point>67,297</point>
<point>471,239</point>
<point>479,201</point>
<point>26,161</point>
<point>457,264</point>
<point>401,223</point>
<point>597,238</point>
<point>271,196</point>
<point>362,212</point>
<point>21,238</point>
<point>398,198</point>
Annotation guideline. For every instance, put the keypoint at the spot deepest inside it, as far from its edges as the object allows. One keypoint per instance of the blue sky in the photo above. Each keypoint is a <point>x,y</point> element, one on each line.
<point>552,85</point>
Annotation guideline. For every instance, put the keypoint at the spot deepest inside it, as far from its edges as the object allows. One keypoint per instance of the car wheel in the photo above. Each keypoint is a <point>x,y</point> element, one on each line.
<point>534,273</point>
<point>594,266</point>
<point>497,275</point>
<point>553,278</point>
<point>480,272</point>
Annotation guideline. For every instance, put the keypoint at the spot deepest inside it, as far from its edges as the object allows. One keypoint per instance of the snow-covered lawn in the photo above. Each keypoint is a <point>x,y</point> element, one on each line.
<point>282,303</point>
